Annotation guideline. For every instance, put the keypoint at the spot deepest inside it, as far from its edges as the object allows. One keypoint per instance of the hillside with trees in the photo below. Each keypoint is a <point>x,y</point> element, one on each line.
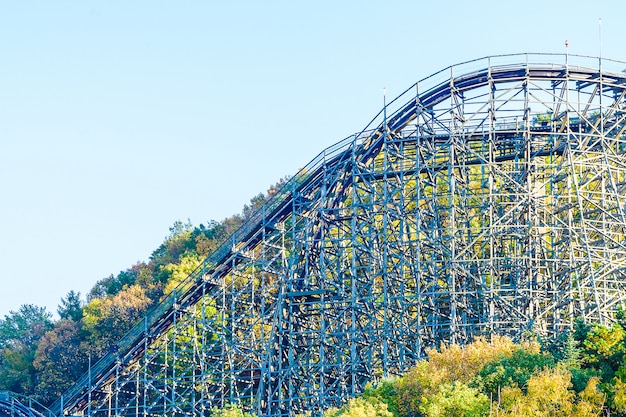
<point>41,356</point>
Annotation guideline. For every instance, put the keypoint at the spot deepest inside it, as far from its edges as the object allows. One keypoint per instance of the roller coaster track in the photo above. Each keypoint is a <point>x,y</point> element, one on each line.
<point>15,405</point>
<point>452,214</point>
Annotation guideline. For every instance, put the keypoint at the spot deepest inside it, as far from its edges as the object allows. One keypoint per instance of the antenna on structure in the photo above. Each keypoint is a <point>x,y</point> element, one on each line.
<point>384,97</point>
<point>385,109</point>
<point>600,35</point>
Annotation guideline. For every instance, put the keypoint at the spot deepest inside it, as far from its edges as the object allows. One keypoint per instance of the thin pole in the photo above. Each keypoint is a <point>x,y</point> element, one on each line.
<point>385,109</point>
<point>601,87</point>
<point>600,34</point>
<point>89,392</point>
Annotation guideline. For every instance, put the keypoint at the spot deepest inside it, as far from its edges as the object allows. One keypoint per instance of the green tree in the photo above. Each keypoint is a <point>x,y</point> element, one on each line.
<point>567,350</point>
<point>591,400</point>
<point>71,307</point>
<point>256,203</point>
<point>456,400</point>
<point>20,333</point>
<point>514,370</point>
<point>384,392</point>
<point>176,244</point>
<point>604,349</point>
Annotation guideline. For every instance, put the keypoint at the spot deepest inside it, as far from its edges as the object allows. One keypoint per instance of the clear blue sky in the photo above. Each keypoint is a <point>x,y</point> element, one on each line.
<point>118,118</point>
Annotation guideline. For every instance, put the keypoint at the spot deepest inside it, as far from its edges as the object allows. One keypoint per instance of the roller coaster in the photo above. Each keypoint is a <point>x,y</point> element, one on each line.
<point>488,198</point>
<point>15,405</point>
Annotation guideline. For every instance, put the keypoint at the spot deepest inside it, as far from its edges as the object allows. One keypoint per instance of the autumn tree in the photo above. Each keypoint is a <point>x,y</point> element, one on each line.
<point>61,359</point>
<point>449,364</point>
<point>492,378</point>
<point>360,407</point>
<point>108,319</point>
<point>549,394</point>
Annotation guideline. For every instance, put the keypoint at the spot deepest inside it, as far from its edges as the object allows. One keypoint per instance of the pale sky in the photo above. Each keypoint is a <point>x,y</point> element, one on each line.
<point>118,118</point>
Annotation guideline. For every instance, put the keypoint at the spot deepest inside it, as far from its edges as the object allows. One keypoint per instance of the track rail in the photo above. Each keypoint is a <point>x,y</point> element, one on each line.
<point>16,405</point>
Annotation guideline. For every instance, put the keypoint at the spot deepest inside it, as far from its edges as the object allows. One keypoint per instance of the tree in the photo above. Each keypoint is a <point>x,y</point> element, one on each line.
<point>384,392</point>
<point>591,400</point>
<point>549,394</point>
<point>60,360</point>
<point>456,400</point>
<point>176,243</point>
<point>360,407</point>
<point>514,370</point>
<point>460,364</point>
<point>71,307</point>
<point>181,270</point>
<point>604,349</point>
<point>20,333</point>
<point>208,238</point>
<point>108,319</point>
<point>256,203</point>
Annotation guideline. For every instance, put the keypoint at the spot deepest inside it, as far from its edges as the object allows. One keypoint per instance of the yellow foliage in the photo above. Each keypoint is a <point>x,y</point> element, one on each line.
<point>450,364</point>
<point>132,298</point>
<point>549,394</point>
<point>111,317</point>
<point>360,407</point>
<point>180,271</point>
<point>447,385</point>
<point>591,400</point>
<point>462,363</point>
<point>605,341</point>
<point>509,399</point>
<point>550,391</point>
<point>92,312</point>
<point>619,395</point>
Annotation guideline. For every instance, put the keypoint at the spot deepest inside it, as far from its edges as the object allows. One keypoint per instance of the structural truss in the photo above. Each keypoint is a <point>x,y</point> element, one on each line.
<point>488,198</point>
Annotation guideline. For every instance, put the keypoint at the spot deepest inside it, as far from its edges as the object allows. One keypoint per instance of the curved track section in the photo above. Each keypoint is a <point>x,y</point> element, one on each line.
<point>15,405</point>
<point>487,198</point>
